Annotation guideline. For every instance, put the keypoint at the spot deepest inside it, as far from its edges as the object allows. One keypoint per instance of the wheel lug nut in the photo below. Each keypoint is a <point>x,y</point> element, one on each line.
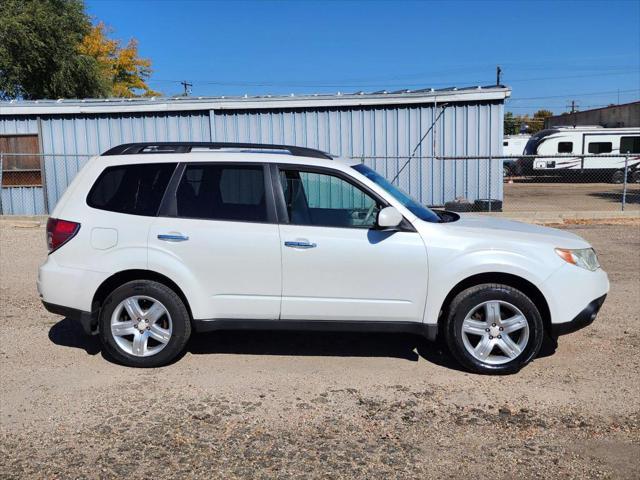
<point>493,324</point>
<point>501,329</point>
<point>490,337</point>
<point>499,336</point>
<point>486,329</point>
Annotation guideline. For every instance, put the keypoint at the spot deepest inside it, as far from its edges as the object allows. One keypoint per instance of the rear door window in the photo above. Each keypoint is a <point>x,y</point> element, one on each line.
<point>222,192</point>
<point>133,189</point>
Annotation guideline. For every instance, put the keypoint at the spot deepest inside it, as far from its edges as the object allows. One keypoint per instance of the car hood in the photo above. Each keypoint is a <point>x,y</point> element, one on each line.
<point>506,230</point>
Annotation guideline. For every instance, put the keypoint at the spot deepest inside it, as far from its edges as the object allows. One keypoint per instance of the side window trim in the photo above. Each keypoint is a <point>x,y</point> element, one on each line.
<point>168,207</point>
<point>283,216</point>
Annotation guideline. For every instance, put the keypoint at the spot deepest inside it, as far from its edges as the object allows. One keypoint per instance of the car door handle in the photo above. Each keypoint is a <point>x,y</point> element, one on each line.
<point>300,244</point>
<point>173,237</point>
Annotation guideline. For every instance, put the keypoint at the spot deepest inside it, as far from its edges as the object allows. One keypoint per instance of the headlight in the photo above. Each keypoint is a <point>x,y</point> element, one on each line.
<point>583,257</point>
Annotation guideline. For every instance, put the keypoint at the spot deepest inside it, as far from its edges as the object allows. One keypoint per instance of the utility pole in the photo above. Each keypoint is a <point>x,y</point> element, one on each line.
<point>574,110</point>
<point>187,87</point>
<point>498,74</point>
<point>573,106</point>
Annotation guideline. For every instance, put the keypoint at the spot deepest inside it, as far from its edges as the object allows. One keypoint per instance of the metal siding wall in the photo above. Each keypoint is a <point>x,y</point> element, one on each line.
<point>23,201</point>
<point>463,129</point>
<point>20,200</point>
<point>13,125</point>
<point>93,134</point>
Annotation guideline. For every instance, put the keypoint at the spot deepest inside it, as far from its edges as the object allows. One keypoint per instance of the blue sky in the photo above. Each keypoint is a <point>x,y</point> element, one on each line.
<point>550,52</point>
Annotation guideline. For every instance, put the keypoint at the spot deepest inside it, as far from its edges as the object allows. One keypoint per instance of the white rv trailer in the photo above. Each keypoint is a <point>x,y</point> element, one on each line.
<point>514,144</point>
<point>597,143</point>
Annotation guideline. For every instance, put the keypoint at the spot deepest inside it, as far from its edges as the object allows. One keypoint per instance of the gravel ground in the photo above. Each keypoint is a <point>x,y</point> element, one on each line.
<point>302,405</point>
<point>539,196</point>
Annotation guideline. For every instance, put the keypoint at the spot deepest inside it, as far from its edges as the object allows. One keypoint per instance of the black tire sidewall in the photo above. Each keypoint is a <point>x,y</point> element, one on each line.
<point>180,319</point>
<point>472,297</point>
<point>617,177</point>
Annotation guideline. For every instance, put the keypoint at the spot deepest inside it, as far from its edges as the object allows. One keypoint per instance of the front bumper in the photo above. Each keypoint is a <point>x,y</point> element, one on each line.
<point>583,319</point>
<point>88,321</point>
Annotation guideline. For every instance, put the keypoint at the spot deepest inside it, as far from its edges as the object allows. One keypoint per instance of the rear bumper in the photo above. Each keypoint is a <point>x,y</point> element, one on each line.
<point>88,321</point>
<point>583,319</point>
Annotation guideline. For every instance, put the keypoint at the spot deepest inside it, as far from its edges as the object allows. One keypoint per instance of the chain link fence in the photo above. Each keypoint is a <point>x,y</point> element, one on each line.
<point>537,184</point>
<point>531,183</point>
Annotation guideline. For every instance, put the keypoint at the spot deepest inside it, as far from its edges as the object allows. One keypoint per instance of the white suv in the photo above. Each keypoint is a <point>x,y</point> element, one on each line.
<point>153,241</point>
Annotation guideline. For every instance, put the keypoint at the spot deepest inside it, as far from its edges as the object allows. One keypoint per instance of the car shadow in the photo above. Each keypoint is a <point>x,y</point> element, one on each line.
<point>69,333</point>
<point>616,197</point>
<point>306,343</point>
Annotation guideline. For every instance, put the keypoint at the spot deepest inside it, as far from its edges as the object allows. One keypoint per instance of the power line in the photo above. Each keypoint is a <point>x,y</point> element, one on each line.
<point>508,107</point>
<point>187,87</point>
<point>576,94</point>
<point>386,84</point>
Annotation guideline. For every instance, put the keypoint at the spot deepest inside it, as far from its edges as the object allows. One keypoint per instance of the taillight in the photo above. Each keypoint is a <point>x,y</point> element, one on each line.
<point>60,232</point>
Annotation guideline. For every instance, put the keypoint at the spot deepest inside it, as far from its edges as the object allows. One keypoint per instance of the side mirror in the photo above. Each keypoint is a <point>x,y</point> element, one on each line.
<point>389,217</point>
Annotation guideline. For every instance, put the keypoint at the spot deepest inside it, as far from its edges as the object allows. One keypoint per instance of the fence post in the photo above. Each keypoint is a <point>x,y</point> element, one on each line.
<point>490,165</point>
<point>1,166</point>
<point>624,185</point>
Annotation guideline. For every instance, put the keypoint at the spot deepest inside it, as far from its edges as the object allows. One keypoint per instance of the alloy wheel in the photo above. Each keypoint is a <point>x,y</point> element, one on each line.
<point>141,326</point>
<point>495,332</point>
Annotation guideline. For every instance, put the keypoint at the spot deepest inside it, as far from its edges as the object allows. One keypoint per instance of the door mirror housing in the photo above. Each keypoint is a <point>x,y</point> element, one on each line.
<point>389,217</point>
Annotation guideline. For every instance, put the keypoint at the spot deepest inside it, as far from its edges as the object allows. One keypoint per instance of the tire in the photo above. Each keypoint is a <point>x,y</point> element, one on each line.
<point>635,176</point>
<point>159,340</point>
<point>617,177</point>
<point>527,334</point>
<point>486,205</point>
<point>459,206</point>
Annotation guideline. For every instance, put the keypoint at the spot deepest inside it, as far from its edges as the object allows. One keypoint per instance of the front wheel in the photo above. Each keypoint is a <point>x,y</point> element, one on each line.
<point>493,329</point>
<point>144,324</point>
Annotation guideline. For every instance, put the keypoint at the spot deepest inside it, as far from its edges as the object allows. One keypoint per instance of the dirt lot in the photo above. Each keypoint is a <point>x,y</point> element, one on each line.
<point>294,405</point>
<point>574,197</point>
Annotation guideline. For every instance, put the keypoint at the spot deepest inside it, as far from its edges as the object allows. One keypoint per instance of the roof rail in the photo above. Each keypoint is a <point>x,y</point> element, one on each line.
<point>186,147</point>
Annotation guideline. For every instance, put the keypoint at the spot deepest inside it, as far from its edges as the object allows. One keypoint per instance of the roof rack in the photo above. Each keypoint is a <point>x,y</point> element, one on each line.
<point>186,147</point>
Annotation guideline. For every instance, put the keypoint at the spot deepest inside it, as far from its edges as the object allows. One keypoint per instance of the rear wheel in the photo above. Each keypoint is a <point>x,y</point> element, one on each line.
<point>617,176</point>
<point>494,329</point>
<point>635,176</point>
<point>144,324</point>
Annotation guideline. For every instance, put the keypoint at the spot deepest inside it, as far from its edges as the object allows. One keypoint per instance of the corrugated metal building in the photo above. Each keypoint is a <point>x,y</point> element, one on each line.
<point>380,128</point>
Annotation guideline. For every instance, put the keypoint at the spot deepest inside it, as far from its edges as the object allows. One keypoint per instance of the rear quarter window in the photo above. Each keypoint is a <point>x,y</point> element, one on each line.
<point>134,189</point>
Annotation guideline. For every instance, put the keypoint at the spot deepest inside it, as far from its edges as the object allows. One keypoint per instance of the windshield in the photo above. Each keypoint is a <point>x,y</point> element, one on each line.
<point>420,211</point>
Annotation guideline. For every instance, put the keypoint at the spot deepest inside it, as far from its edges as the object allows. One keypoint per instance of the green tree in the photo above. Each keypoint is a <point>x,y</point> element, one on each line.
<point>510,126</point>
<point>513,123</point>
<point>538,119</point>
<point>39,56</point>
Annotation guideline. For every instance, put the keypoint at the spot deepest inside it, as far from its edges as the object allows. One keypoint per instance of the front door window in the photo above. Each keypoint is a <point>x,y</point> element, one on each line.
<point>320,199</point>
